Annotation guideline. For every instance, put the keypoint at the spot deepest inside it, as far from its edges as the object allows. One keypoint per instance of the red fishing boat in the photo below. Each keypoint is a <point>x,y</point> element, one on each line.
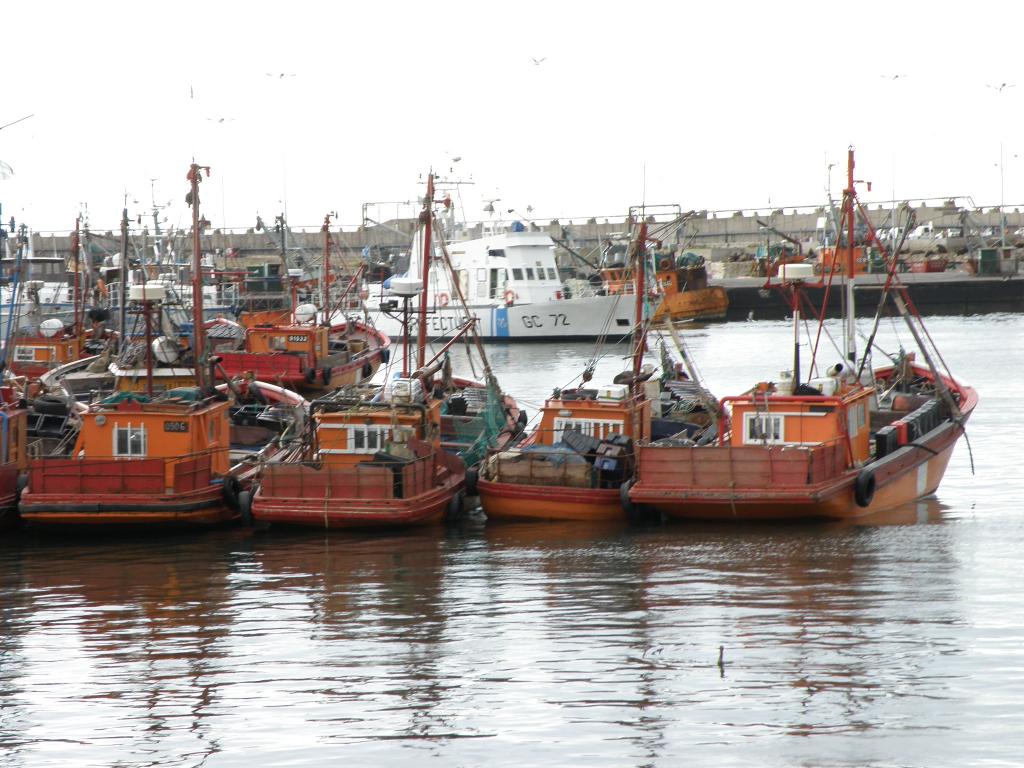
<point>302,348</point>
<point>574,463</point>
<point>376,456</point>
<point>851,442</point>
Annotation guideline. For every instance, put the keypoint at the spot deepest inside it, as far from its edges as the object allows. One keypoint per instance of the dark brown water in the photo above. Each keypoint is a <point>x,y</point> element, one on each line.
<point>896,641</point>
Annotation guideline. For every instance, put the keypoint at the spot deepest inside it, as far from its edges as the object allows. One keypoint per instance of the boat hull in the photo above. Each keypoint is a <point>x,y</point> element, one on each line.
<point>512,501</point>
<point>711,303</point>
<point>361,496</point>
<point>907,474</point>
<point>124,510</point>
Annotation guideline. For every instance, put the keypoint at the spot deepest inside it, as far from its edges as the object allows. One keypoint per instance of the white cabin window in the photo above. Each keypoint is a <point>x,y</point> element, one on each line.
<point>552,274</point>
<point>593,427</point>
<point>367,439</point>
<point>529,273</point>
<point>762,428</point>
<point>130,440</point>
<point>24,354</point>
<point>517,274</point>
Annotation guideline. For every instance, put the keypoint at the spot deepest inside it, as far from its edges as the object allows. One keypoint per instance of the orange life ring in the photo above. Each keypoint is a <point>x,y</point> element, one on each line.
<point>442,299</point>
<point>510,297</point>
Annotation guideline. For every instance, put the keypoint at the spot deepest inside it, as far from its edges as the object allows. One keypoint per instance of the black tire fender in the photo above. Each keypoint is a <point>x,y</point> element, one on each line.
<point>245,508</point>
<point>627,503</point>
<point>455,507</point>
<point>864,488</point>
<point>472,475</point>
<point>232,488</point>
<point>50,404</point>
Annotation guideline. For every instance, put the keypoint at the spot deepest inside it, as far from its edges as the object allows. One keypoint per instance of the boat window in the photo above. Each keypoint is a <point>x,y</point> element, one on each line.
<point>552,275</point>
<point>24,354</point>
<point>529,273</point>
<point>500,252</point>
<point>277,342</point>
<point>130,440</point>
<point>368,439</point>
<point>517,274</point>
<point>763,428</point>
<point>593,427</point>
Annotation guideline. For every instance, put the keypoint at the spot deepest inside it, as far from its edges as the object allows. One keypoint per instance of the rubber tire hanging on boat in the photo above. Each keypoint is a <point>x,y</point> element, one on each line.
<point>472,475</point>
<point>325,376</point>
<point>864,488</point>
<point>455,507</point>
<point>51,404</point>
<point>232,489</point>
<point>245,508</point>
<point>310,375</point>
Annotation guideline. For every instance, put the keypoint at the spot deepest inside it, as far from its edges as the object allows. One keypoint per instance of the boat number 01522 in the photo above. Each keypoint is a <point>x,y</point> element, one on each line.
<point>534,321</point>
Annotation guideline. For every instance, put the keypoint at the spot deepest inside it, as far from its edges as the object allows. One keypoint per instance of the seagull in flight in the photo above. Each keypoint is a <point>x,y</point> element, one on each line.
<point>537,62</point>
<point>891,77</point>
<point>1000,87</point>
<point>280,75</point>
<point>220,119</point>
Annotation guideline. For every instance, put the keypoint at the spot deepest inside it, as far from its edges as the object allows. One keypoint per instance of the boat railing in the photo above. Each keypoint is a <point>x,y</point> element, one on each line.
<point>122,475</point>
<point>383,477</point>
<point>736,467</point>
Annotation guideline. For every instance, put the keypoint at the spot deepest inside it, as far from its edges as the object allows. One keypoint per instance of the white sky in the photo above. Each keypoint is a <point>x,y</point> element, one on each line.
<point>709,105</point>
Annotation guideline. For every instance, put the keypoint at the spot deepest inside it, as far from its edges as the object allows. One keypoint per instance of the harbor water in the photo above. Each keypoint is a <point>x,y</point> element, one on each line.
<point>896,640</point>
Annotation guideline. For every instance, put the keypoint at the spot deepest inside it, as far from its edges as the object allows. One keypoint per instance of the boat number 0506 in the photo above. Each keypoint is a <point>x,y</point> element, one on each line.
<point>534,321</point>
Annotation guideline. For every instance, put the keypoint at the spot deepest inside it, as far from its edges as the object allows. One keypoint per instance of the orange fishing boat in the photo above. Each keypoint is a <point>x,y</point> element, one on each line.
<point>376,456</point>
<point>301,348</point>
<point>573,465</point>
<point>13,431</point>
<point>682,289</point>
<point>850,443</point>
<point>156,455</point>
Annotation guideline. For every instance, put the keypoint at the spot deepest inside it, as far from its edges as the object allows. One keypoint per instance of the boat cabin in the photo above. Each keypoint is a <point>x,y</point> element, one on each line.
<point>356,432</point>
<point>840,414</point>
<point>599,413</point>
<point>172,428</point>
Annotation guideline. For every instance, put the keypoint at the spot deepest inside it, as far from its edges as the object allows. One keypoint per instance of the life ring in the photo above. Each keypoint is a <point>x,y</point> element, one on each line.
<point>510,297</point>
<point>442,299</point>
<point>325,376</point>
<point>665,264</point>
<point>864,488</point>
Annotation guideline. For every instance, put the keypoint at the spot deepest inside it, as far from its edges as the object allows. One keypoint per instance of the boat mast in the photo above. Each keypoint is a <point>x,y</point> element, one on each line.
<point>639,334</point>
<point>123,278</point>
<point>325,271</point>
<point>76,247</point>
<point>198,345</point>
<point>426,219</point>
<point>849,205</point>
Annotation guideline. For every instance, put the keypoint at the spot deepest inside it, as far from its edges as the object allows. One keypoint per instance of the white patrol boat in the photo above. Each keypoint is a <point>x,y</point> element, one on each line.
<point>511,285</point>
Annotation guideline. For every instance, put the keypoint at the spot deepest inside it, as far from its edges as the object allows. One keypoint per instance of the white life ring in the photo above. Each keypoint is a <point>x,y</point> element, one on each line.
<point>510,297</point>
<point>442,299</point>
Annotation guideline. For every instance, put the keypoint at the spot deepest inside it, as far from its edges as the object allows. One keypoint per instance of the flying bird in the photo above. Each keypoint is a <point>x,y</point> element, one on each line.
<point>891,77</point>
<point>220,119</point>
<point>537,62</point>
<point>280,75</point>
<point>1000,87</point>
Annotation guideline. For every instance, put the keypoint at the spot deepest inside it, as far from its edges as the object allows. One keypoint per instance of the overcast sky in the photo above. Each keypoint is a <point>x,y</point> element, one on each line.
<point>573,109</point>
